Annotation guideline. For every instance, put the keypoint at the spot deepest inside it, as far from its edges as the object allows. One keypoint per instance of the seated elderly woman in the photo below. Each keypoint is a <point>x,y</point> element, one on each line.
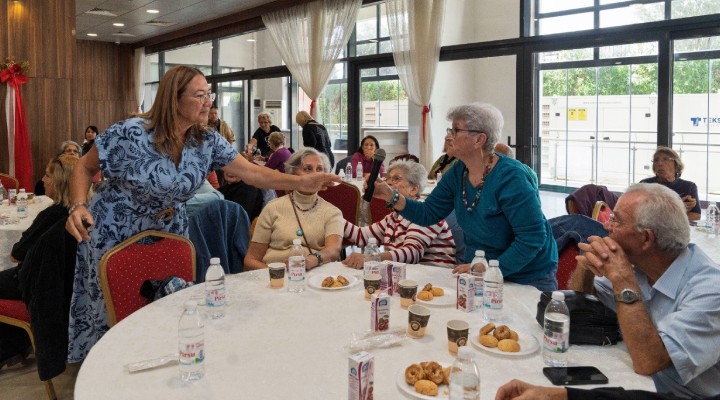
<point>71,148</point>
<point>403,240</point>
<point>14,341</point>
<point>280,154</point>
<point>668,168</point>
<point>297,215</point>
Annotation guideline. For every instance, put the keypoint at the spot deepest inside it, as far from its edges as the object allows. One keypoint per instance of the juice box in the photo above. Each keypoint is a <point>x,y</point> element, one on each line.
<point>380,312</point>
<point>465,293</point>
<point>391,273</point>
<point>360,376</point>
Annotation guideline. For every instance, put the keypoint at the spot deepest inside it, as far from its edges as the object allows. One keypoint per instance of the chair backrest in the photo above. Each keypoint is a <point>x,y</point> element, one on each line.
<point>346,197</point>
<point>601,212</point>
<point>378,210</point>
<point>9,181</point>
<point>566,265</point>
<point>125,267</point>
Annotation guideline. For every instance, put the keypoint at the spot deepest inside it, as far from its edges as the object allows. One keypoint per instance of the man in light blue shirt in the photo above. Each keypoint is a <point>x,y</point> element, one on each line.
<point>665,291</point>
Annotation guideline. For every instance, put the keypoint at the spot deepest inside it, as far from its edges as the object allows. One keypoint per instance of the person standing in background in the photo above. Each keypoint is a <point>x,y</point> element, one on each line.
<point>315,135</point>
<point>261,136</point>
<point>221,126</point>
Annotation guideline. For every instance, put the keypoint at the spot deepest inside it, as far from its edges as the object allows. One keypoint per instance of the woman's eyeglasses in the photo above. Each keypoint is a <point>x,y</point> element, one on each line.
<point>202,98</point>
<point>454,131</point>
<point>662,159</point>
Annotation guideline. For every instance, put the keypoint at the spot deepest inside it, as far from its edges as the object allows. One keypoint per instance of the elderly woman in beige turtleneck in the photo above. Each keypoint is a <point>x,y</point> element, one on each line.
<point>298,215</point>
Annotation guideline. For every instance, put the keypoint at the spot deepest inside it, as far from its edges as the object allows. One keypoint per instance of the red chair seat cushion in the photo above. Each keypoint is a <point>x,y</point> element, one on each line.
<point>14,309</point>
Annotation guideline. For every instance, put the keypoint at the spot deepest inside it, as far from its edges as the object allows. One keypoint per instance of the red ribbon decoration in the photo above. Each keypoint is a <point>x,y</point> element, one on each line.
<point>23,156</point>
<point>312,107</point>
<point>425,112</point>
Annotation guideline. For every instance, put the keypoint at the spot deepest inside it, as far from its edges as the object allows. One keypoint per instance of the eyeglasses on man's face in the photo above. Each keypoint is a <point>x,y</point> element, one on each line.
<point>203,98</point>
<point>662,160</point>
<point>454,131</point>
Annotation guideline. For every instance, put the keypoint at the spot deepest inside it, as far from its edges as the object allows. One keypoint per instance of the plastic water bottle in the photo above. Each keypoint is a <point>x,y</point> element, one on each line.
<point>493,292</point>
<point>478,266</point>
<point>22,204</point>
<point>215,289</point>
<point>371,263</point>
<point>359,172</point>
<point>348,172</point>
<point>296,268</point>
<point>191,344</point>
<point>713,219</point>
<point>557,331</point>
<point>465,376</point>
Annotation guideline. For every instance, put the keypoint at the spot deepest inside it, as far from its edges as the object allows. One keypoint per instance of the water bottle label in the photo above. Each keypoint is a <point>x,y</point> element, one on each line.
<point>215,297</point>
<point>492,296</point>
<point>296,270</point>
<point>556,342</point>
<point>192,353</point>
<point>371,267</point>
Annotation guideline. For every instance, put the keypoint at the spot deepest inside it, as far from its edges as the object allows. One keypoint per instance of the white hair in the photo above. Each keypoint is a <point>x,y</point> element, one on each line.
<point>662,211</point>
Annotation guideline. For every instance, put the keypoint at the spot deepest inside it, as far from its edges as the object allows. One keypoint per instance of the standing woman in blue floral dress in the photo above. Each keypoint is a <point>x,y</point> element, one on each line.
<point>153,164</point>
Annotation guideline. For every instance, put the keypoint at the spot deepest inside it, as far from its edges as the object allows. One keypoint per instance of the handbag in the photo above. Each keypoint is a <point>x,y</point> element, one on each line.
<point>591,322</point>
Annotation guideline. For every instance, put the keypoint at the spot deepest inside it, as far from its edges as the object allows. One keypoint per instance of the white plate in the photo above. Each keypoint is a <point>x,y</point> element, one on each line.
<point>409,391</point>
<point>528,344</point>
<point>446,300</point>
<point>316,281</point>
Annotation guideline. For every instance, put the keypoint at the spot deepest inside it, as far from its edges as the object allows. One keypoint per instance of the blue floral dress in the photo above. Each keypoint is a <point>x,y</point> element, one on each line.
<point>140,183</point>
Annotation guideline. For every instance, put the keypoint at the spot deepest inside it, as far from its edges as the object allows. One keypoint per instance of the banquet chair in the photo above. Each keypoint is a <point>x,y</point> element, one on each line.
<point>378,210</point>
<point>125,267</point>
<point>601,212</point>
<point>346,197</point>
<point>566,265</point>
<point>14,312</point>
<point>9,182</point>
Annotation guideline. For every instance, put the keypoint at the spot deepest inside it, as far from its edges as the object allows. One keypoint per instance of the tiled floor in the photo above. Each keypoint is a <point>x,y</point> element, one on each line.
<point>21,382</point>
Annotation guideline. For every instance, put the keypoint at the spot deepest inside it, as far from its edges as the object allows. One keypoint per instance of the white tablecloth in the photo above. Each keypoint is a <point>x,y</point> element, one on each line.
<point>710,245</point>
<point>273,344</point>
<point>10,234</point>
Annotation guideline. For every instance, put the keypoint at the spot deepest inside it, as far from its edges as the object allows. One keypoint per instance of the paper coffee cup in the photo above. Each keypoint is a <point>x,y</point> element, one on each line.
<point>277,275</point>
<point>372,284</point>
<point>408,291</point>
<point>418,317</point>
<point>457,331</point>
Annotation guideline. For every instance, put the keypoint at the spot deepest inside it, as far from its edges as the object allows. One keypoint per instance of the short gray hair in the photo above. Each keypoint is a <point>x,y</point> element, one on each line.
<point>415,173</point>
<point>662,212</point>
<point>292,165</point>
<point>481,117</point>
<point>67,143</point>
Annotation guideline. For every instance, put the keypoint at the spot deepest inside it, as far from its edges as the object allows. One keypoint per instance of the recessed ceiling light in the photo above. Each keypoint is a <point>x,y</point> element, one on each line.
<point>153,11</point>
<point>92,34</point>
<point>118,24</point>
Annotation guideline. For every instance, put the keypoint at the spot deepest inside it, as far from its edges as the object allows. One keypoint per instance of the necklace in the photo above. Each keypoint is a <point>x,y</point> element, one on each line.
<point>299,232</point>
<point>482,183</point>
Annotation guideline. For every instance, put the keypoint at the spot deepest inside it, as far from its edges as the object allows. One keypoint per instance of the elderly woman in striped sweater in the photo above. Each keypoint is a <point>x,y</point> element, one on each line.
<point>403,240</point>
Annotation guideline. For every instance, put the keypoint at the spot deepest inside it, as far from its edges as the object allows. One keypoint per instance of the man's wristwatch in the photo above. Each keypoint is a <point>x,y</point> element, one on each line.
<point>319,257</point>
<point>627,296</point>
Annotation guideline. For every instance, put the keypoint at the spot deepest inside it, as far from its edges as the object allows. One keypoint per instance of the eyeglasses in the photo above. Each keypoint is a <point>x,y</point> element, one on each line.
<point>662,159</point>
<point>454,131</point>
<point>202,98</point>
<point>394,179</point>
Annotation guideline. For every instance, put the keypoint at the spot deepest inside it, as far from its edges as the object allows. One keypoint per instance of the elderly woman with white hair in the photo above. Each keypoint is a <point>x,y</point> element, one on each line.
<point>403,240</point>
<point>494,199</point>
<point>297,215</point>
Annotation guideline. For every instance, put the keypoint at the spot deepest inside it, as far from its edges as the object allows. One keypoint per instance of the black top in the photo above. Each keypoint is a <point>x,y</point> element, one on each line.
<point>248,196</point>
<point>316,136</point>
<point>42,223</point>
<point>681,187</point>
<point>618,393</point>
<point>262,140</point>
<point>87,146</point>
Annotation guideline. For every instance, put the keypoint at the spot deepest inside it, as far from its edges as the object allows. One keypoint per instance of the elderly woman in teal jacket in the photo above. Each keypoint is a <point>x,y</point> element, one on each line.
<point>496,202</point>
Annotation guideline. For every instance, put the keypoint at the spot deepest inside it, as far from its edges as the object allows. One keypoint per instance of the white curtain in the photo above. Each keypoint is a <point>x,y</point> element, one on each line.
<point>415,27</point>
<point>139,72</point>
<point>310,38</point>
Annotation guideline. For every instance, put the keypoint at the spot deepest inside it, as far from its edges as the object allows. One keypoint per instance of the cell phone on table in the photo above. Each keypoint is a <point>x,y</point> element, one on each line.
<point>575,376</point>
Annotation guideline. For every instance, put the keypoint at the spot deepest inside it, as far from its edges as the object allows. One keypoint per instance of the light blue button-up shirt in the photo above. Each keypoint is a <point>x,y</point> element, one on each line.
<point>684,306</point>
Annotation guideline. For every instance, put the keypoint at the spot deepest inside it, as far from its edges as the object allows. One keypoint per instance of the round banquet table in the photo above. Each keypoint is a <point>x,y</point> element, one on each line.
<point>11,233</point>
<point>273,344</point>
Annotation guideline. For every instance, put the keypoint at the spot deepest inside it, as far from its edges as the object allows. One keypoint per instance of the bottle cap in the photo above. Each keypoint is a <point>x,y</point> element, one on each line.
<point>494,263</point>
<point>465,352</point>
<point>479,253</point>
<point>190,305</point>
<point>372,241</point>
<point>215,260</point>
<point>296,242</point>
<point>558,295</point>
